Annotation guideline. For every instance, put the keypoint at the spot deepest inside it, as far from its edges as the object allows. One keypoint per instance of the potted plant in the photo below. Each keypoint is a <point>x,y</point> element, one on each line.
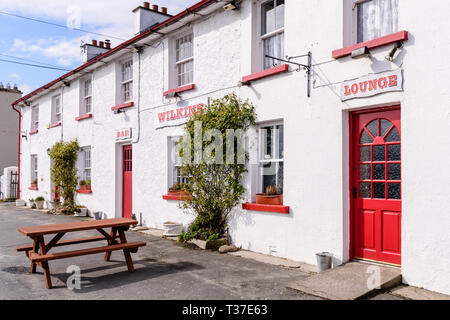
<point>39,202</point>
<point>88,185</point>
<point>82,185</point>
<point>81,211</point>
<point>172,229</point>
<point>34,184</point>
<point>178,190</point>
<point>271,197</point>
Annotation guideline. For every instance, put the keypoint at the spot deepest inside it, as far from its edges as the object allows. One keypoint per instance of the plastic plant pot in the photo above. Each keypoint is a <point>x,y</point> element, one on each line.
<point>324,260</point>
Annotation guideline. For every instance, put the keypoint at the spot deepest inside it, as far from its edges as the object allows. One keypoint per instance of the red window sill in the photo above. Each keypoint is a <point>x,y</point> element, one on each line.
<point>34,132</point>
<point>33,188</point>
<point>84,191</point>
<point>54,125</point>
<point>174,198</point>
<point>266,208</point>
<point>180,89</point>
<point>123,106</point>
<point>375,43</point>
<point>84,117</point>
<point>266,73</point>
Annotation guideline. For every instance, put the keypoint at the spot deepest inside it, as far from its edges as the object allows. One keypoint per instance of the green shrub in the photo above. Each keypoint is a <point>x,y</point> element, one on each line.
<point>38,199</point>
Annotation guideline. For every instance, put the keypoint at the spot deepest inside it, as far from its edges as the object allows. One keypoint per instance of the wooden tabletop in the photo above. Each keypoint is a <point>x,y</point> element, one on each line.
<point>76,226</point>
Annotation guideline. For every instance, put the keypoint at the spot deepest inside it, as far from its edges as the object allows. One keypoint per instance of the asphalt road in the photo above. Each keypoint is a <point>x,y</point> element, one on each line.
<point>164,271</point>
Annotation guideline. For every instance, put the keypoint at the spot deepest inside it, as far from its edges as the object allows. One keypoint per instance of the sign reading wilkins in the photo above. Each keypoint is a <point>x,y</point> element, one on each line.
<point>175,116</point>
<point>372,85</point>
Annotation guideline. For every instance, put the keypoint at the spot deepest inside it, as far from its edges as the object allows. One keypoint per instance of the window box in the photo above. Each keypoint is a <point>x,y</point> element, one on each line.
<point>180,89</point>
<point>54,125</point>
<point>266,73</point>
<point>84,117</point>
<point>371,44</point>
<point>179,197</point>
<point>123,106</point>
<point>34,186</point>
<point>84,191</point>
<point>262,198</point>
<point>34,132</point>
<point>266,208</point>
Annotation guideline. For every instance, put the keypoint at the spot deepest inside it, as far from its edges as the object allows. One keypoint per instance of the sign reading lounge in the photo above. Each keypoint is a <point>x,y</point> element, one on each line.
<point>372,85</point>
<point>175,116</point>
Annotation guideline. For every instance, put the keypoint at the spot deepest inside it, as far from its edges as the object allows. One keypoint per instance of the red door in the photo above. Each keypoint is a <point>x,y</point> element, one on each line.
<point>127,194</point>
<point>376,186</point>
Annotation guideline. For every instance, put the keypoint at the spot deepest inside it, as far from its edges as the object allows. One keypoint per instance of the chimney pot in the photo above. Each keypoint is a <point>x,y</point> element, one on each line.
<point>155,7</point>
<point>147,5</point>
<point>107,44</point>
<point>94,42</point>
<point>164,10</point>
<point>101,44</point>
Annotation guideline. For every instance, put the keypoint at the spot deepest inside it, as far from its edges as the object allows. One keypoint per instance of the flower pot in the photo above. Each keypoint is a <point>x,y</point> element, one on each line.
<point>40,204</point>
<point>83,213</point>
<point>97,215</point>
<point>262,198</point>
<point>172,229</point>
<point>324,261</point>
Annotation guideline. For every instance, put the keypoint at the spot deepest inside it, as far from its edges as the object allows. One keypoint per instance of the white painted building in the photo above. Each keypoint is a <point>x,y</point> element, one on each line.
<point>364,173</point>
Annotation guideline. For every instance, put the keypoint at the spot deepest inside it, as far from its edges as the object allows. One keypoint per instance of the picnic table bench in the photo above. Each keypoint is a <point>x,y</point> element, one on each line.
<point>39,255</point>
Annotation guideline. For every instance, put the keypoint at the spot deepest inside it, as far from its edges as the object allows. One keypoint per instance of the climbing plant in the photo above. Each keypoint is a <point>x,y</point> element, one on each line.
<point>215,181</point>
<point>64,172</point>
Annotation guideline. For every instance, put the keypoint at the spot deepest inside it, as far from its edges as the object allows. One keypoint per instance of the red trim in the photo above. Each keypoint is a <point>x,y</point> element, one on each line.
<point>84,117</point>
<point>266,208</point>
<point>34,132</point>
<point>33,188</point>
<point>20,145</point>
<point>174,198</point>
<point>54,125</point>
<point>266,73</point>
<point>375,43</point>
<point>180,89</point>
<point>124,45</point>
<point>123,106</point>
<point>84,191</point>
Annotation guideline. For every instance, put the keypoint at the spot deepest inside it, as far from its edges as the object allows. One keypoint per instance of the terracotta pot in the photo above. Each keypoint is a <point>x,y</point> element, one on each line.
<point>262,198</point>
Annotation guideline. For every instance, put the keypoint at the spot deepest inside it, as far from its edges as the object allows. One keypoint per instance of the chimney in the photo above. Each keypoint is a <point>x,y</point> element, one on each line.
<point>90,51</point>
<point>145,18</point>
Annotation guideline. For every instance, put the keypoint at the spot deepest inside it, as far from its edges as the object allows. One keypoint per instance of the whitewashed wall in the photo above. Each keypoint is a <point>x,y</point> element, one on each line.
<point>316,179</point>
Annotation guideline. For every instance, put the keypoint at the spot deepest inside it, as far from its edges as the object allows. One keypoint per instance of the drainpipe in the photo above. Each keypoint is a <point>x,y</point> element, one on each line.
<point>19,153</point>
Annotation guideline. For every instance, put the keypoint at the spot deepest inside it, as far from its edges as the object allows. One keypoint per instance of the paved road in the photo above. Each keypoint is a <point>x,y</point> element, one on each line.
<point>163,270</point>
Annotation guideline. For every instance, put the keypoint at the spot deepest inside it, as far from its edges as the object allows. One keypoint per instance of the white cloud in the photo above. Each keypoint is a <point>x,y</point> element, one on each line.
<point>14,76</point>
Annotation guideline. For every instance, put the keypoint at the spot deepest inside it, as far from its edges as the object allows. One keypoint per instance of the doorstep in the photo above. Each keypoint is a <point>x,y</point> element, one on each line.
<point>415,293</point>
<point>347,282</point>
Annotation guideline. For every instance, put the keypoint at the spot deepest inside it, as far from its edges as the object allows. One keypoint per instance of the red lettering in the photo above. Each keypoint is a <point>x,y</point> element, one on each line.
<point>179,113</point>
<point>354,88</point>
<point>382,83</point>
<point>162,116</point>
<point>191,111</point>
<point>172,115</point>
<point>347,91</point>
<point>392,81</point>
<point>363,86</point>
<point>200,107</point>
<point>373,84</point>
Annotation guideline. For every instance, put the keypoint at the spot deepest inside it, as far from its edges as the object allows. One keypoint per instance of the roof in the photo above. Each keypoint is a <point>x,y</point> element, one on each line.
<point>90,65</point>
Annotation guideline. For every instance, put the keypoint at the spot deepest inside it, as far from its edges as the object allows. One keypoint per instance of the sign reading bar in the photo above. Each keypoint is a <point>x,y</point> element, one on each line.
<point>175,116</point>
<point>124,134</point>
<point>372,85</point>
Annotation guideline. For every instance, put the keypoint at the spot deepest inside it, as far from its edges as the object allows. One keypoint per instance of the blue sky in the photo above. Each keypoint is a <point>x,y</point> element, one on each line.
<point>58,46</point>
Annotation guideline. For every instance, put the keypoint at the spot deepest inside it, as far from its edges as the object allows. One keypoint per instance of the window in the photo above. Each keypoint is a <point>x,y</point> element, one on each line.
<point>375,18</point>
<point>86,103</point>
<point>184,60</point>
<point>271,157</point>
<point>85,162</point>
<point>34,169</point>
<point>176,164</point>
<point>34,118</point>
<point>56,109</point>
<point>127,81</point>
<point>272,32</point>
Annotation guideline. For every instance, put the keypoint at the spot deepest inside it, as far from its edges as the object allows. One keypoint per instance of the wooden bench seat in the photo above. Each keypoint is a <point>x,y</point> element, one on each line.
<point>66,243</point>
<point>131,247</point>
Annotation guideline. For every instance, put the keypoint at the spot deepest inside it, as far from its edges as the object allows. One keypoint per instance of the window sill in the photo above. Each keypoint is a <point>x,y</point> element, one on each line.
<point>266,73</point>
<point>123,106</point>
<point>371,44</point>
<point>54,125</point>
<point>84,191</point>
<point>266,208</point>
<point>84,117</point>
<point>34,132</point>
<point>33,188</point>
<point>174,198</point>
<point>180,89</point>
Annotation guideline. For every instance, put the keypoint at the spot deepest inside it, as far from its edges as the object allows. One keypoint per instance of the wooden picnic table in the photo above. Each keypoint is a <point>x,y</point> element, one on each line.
<point>38,253</point>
